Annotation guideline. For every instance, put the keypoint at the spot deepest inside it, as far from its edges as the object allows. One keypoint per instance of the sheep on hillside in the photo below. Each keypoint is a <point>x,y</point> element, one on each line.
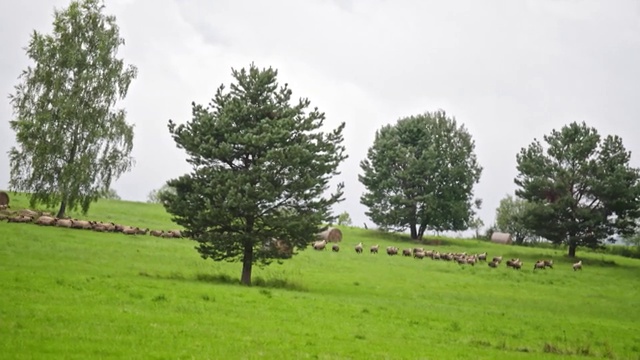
<point>392,250</point>
<point>359,248</point>
<point>46,220</point>
<point>320,245</point>
<point>156,232</point>
<point>539,265</point>
<point>577,266</point>
<point>374,249</point>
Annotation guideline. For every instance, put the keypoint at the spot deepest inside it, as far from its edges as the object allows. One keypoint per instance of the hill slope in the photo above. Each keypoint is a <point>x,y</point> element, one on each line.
<point>70,293</point>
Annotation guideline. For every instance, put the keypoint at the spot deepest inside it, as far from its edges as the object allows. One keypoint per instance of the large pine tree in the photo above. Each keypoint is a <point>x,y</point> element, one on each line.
<point>261,168</point>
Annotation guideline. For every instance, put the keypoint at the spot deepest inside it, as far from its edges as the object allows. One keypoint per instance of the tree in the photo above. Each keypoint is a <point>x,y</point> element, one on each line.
<point>419,174</point>
<point>72,142</point>
<point>581,187</point>
<point>260,168</point>
<point>510,218</point>
<point>476,224</point>
<point>110,194</point>
<point>155,195</point>
<point>344,219</point>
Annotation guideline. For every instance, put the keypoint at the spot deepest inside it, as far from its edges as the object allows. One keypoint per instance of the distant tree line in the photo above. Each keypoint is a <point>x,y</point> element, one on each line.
<point>262,161</point>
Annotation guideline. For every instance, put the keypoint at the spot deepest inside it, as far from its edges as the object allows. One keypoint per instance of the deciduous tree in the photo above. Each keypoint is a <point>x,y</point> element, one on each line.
<point>72,141</point>
<point>155,195</point>
<point>344,219</point>
<point>110,194</point>
<point>261,168</point>
<point>419,174</point>
<point>510,218</point>
<point>580,185</point>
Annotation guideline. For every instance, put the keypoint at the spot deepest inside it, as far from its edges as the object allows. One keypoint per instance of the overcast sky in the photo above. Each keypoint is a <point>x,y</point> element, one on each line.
<point>509,70</point>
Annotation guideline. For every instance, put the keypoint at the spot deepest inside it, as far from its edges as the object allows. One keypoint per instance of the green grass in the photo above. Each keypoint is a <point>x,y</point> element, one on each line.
<point>67,293</point>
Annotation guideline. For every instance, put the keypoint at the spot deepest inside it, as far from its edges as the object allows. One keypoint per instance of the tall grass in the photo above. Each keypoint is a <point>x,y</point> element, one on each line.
<point>67,293</point>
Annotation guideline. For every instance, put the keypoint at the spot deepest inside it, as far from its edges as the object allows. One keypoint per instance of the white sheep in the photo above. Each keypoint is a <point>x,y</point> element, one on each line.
<point>577,266</point>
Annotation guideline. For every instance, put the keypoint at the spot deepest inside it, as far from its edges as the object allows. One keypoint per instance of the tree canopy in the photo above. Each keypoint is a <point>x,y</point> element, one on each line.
<point>261,170</point>
<point>155,195</point>
<point>344,219</point>
<point>110,194</point>
<point>510,218</point>
<point>72,142</point>
<point>580,185</point>
<point>419,174</point>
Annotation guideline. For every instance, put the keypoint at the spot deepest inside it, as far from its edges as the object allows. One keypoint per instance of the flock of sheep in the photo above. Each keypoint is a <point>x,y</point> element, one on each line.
<point>46,219</point>
<point>461,258</point>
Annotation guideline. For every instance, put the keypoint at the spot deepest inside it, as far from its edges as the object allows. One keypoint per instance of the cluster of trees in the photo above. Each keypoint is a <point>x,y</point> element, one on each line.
<point>261,162</point>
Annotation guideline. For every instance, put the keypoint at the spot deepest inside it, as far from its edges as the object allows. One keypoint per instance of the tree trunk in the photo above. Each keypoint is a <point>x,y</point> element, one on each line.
<point>572,249</point>
<point>423,227</point>
<point>414,231</point>
<point>247,263</point>
<point>63,208</point>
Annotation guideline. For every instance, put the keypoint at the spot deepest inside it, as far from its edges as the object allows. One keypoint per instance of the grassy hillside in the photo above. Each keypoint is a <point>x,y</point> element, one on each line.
<point>68,293</point>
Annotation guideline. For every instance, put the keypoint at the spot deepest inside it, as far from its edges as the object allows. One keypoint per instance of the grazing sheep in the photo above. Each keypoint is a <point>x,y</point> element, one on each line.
<point>482,256</point>
<point>497,259</point>
<point>99,227</point>
<point>81,224</point>
<point>392,250</point>
<point>577,266</point>
<point>320,245</point>
<point>359,248</point>
<point>335,248</point>
<point>156,232</point>
<point>46,220</point>
<point>517,265</point>
<point>539,265</point>
<point>145,231</point>
<point>548,263</point>
<point>65,223</point>
<point>176,233</point>
<point>493,264</point>
<point>419,255</point>
<point>20,219</point>
<point>130,230</point>
<point>511,262</point>
<point>406,252</point>
<point>374,249</point>
<point>166,234</point>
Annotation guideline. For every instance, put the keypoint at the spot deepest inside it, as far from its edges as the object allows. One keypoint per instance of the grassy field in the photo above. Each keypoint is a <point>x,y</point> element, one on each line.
<point>78,294</point>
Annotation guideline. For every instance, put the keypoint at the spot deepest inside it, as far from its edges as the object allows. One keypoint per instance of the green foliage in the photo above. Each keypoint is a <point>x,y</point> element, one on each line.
<point>260,169</point>
<point>344,219</point>
<point>510,218</point>
<point>476,224</point>
<point>110,194</point>
<point>155,195</point>
<point>581,187</point>
<point>72,142</point>
<point>420,174</point>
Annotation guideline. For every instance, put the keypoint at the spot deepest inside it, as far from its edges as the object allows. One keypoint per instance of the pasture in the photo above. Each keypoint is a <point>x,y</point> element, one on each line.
<point>80,294</point>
